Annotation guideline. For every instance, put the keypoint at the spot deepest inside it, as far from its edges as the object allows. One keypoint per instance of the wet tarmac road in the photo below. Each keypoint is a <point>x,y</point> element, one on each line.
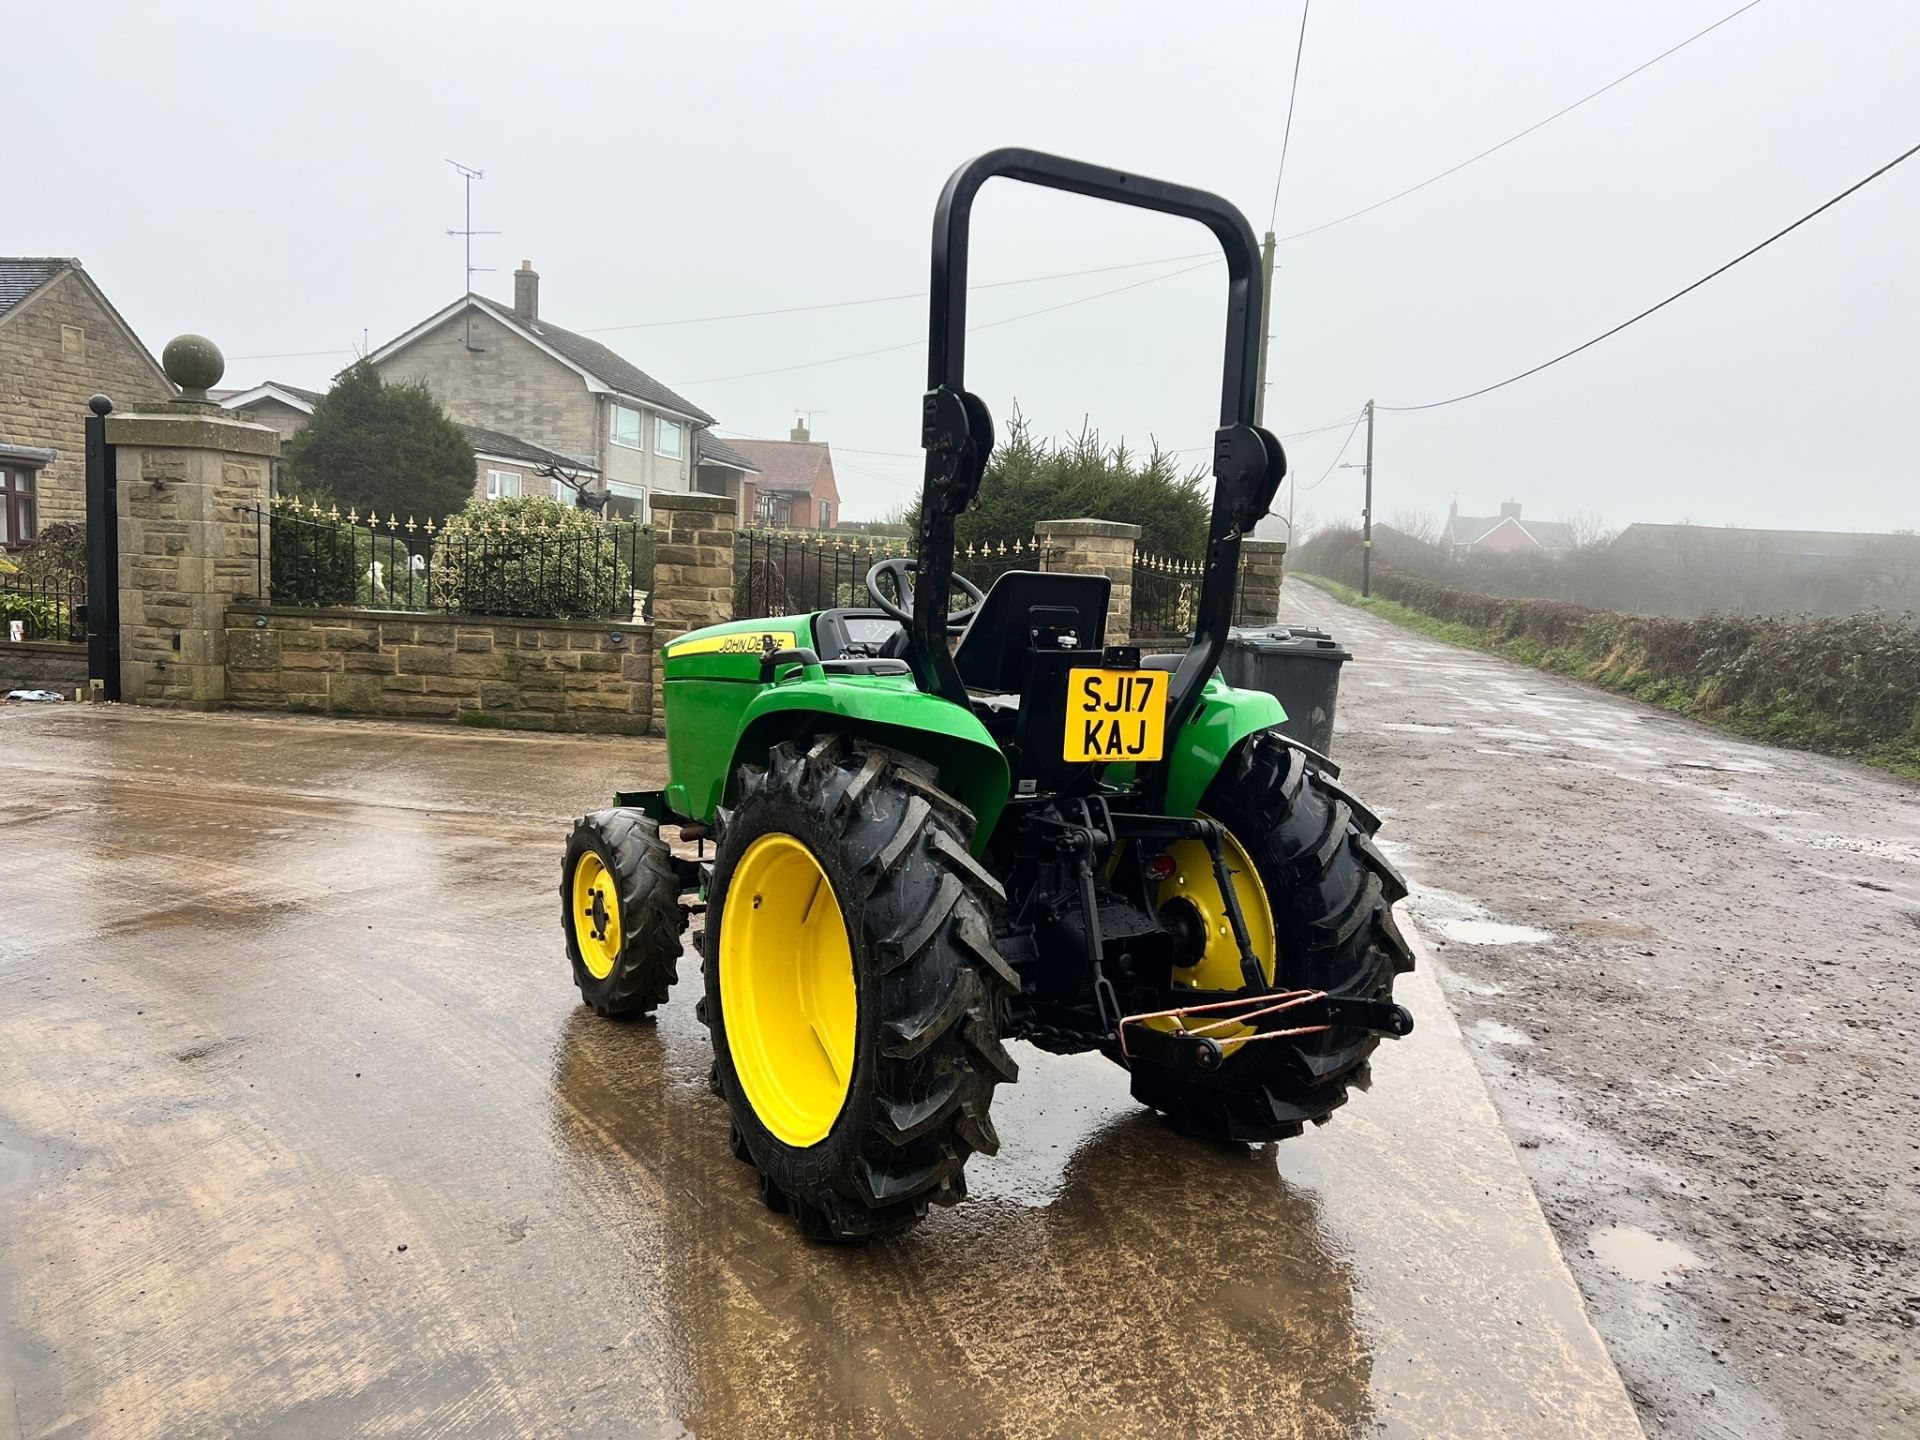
<point>303,1132</point>
<point>1689,968</point>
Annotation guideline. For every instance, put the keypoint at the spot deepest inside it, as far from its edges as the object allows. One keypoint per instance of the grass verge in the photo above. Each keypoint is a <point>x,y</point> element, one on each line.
<point>1598,653</point>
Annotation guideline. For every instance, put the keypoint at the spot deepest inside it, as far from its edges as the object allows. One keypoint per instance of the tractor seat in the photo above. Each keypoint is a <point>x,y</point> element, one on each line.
<point>995,653</point>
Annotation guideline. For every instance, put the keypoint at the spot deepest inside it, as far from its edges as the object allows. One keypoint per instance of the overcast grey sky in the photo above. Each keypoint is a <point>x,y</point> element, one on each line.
<point>275,177</point>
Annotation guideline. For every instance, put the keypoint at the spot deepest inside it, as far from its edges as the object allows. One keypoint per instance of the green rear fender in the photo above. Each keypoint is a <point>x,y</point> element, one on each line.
<point>889,712</point>
<point>1226,717</point>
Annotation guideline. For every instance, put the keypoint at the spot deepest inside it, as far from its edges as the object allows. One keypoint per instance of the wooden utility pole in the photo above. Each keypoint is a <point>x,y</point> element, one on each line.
<point>1366,515</point>
<point>1266,314</point>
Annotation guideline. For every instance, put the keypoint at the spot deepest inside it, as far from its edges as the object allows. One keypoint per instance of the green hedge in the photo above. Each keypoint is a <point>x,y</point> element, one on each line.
<point>1848,685</point>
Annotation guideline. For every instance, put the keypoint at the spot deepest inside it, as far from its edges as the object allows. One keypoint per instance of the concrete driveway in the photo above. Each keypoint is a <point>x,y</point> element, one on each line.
<point>303,1131</point>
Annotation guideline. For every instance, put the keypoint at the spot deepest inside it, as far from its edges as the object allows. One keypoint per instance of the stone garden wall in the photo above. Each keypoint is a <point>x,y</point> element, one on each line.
<point>42,665</point>
<point>593,675</point>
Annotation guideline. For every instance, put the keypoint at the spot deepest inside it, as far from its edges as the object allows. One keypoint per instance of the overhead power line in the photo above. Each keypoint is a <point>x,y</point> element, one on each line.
<point>1337,457</point>
<point>886,299</point>
<point>1135,264</point>
<point>1299,49</point>
<point>920,343</point>
<point>1517,135</point>
<point>1686,290</point>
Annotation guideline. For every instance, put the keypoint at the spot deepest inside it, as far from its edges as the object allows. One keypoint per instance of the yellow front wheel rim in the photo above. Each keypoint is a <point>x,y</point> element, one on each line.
<point>1218,967</point>
<point>596,915</point>
<point>787,991</point>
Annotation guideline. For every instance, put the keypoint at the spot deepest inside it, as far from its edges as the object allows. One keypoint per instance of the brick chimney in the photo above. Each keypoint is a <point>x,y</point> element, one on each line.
<point>1509,509</point>
<point>526,291</point>
<point>798,434</point>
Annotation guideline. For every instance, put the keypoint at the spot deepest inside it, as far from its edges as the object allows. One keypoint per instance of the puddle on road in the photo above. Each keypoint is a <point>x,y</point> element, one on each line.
<point>1492,1032</point>
<point>1468,922</point>
<point>1492,932</point>
<point>1640,1255</point>
<point>1861,845</point>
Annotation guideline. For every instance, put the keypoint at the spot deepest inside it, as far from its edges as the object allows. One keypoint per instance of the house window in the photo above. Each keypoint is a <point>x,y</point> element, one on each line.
<point>502,484</point>
<point>826,514</point>
<point>563,492</point>
<point>625,429</point>
<point>626,502</point>
<point>18,523</point>
<point>669,438</point>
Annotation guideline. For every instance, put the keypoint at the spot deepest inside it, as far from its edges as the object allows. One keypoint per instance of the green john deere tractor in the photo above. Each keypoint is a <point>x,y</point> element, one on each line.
<point>936,828</point>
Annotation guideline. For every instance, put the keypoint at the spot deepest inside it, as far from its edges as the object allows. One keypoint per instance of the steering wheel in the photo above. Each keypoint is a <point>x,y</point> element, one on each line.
<point>898,569</point>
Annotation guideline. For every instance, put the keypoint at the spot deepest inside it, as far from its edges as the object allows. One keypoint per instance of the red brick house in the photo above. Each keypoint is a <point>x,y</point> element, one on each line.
<point>795,488</point>
<point>1503,534</point>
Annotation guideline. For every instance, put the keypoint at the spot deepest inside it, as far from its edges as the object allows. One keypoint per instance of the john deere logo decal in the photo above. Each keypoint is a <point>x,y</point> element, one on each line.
<point>740,642</point>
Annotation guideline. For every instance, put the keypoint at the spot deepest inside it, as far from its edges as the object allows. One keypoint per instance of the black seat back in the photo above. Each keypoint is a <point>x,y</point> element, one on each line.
<point>996,651</point>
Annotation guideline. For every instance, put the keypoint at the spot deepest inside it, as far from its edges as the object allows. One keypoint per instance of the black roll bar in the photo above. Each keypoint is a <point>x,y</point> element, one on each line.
<point>957,430</point>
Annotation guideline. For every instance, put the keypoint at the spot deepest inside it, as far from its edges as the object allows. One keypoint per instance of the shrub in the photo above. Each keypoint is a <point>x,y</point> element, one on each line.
<point>530,556</point>
<point>46,616</point>
<point>386,449</point>
<point>58,553</point>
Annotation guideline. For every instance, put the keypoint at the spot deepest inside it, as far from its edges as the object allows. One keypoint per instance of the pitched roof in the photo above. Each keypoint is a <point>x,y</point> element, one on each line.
<point>20,277</point>
<point>292,395</point>
<point>503,446</point>
<point>709,449</point>
<point>1547,534</point>
<point>602,369</point>
<point>23,277</point>
<point>786,466</point>
<point>590,355</point>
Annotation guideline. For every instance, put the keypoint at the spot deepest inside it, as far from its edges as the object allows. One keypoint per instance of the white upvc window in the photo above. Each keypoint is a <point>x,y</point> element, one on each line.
<point>669,437</point>
<point>502,484</point>
<point>624,428</point>
<point>626,501</point>
<point>563,492</point>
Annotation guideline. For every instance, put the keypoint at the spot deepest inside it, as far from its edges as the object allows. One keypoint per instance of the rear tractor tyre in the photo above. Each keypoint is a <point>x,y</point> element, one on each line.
<point>852,987</point>
<point>620,908</point>
<point>1324,895</point>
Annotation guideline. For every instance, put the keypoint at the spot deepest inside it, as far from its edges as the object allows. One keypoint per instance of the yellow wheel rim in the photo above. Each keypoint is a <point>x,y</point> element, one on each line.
<point>786,989</point>
<point>1218,967</point>
<point>596,915</point>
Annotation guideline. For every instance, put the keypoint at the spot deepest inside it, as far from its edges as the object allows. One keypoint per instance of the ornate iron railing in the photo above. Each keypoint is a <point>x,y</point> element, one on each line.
<point>472,562</point>
<point>783,572</point>
<point>1165,596</point>
<point>46,607</point>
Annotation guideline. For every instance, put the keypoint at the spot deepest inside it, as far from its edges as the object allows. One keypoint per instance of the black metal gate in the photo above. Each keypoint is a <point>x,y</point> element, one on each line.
<point>103,554</point>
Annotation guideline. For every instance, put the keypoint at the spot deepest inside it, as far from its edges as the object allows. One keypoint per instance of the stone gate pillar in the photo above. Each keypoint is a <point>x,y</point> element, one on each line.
<point>1097,547</point>
<point>692,574</point>
<point>191,478</point>
<point>1257,600</point>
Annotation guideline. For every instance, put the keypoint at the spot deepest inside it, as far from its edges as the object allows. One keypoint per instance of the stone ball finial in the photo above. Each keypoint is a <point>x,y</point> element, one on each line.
<point>194,363</point>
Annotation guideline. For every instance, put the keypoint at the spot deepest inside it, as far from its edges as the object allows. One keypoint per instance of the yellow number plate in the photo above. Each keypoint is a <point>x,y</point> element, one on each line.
<point>1116,715</point>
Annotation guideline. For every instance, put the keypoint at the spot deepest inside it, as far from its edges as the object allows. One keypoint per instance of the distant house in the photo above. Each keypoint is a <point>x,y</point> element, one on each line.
<point>1502,534</point>
<point>61,342</point>
<point>794,488</point>
<point>273,403</point>
<point>532,398</point>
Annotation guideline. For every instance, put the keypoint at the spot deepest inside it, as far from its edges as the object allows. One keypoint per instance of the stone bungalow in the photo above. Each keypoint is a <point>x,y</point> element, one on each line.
<point>533,399</point>
<point>61,342</point>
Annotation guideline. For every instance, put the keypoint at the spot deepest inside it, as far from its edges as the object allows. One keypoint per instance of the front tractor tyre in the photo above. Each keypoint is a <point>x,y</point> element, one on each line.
<point>1318,898</point>
<point>620,908</point>
<point>852,987</point>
